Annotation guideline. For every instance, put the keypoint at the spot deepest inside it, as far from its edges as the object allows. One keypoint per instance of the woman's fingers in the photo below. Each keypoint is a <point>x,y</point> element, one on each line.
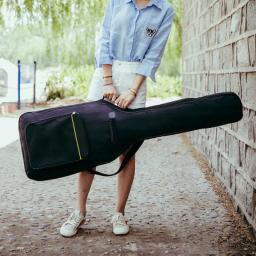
<point>113,98</point>
<point>117,100</point>
<point>107,95</point>
<point>124,100</point>
<point>121,102</point>
<point>110,93</point>
<point>126,104</point>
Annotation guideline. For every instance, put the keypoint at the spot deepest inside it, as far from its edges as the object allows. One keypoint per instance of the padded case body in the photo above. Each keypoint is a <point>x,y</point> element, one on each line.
<point>62,141</point>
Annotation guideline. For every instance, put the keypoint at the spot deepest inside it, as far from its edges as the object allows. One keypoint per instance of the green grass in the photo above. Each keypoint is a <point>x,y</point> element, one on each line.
<point>165,87</point>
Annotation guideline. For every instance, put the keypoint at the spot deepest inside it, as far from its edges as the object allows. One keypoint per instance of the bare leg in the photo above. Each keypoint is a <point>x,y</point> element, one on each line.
<point>84,184</point>
<point>124,183</point>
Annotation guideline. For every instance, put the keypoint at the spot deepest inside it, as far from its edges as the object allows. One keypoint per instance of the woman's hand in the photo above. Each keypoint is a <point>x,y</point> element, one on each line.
<point>125,99</point>
<point>109,91</point>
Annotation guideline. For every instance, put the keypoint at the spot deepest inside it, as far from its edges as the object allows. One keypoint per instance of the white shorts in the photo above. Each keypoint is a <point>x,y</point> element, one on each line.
<point>123,75</point>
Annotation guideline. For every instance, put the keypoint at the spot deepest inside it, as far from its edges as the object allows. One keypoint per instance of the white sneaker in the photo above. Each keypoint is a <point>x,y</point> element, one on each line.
<point>120,225</point>
<point>70,227</point>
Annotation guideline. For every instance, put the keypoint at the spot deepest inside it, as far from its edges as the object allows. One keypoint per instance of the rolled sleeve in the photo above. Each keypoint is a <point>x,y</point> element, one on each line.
<point>104,56</point>
<point>154,53</point>
<point>147,68</point>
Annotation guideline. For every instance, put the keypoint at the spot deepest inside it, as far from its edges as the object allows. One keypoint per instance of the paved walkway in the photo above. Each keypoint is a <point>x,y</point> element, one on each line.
<point>172,209</point>
<point>8,130</point>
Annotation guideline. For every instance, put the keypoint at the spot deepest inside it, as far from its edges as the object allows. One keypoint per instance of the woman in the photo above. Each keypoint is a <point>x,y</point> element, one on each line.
<point>133,38</point>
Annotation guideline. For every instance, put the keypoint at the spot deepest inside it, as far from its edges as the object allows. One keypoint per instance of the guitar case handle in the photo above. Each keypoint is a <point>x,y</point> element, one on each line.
<point>131,151</point>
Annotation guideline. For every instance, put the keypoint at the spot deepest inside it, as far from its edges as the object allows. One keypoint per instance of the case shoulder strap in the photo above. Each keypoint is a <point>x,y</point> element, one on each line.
<point>132,150</point>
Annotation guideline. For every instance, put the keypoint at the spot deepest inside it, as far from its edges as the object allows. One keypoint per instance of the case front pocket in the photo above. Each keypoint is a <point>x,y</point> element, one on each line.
<point>57,141</point>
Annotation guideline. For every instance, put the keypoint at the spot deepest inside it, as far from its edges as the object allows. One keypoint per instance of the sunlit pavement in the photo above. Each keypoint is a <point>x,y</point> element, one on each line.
<point>8,130</point>
<point>156,101</point>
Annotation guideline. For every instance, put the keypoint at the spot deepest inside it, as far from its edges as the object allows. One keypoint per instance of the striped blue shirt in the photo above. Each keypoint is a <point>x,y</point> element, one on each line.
<point>130,33</point>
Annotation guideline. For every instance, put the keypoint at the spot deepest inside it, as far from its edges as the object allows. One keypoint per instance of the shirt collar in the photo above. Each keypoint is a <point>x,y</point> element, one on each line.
<point>157,3</point>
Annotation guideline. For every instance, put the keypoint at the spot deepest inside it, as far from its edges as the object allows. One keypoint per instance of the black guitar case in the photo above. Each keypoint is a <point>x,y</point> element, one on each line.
<point>65,140</point>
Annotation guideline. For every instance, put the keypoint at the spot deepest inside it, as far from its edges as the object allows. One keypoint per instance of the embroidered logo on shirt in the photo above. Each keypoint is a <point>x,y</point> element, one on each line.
<point>150,31</point>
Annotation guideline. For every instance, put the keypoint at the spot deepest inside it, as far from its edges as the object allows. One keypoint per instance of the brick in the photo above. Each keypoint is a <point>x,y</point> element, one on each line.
<point>235,23</point>
<point>252,126</point>
<point>234,152</point>
<point>222,31</point>
<point>225,172</point>
<point>234,127</point>
<point>221,139</point>
<point>228,82</point>
<point>235,85</point>
<point>252,50</point>
<point>216,59</point>
<point>221,83</point>
<point>223,8</point>
<point>249,199</point>
<point>216,11</point>
<point>228,25</point>
<point>211,83</point>
<point>243,53</point>
<point>227,57</point>
<point>240,190</point>
<point>214,157</point>
<point>229,5</point>
<point>254,203</point>
<point>232,178</point>
<point>207,61</point>
<point>243,22</point>
<point>234,55</point>
<point>212,36</point>
<point>250,162</point>
<point>242,149</point>
<point>249,90</point>
<point>251,17</point>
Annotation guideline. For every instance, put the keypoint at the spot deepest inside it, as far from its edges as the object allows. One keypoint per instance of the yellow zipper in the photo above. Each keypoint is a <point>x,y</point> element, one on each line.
<point>74,129</point>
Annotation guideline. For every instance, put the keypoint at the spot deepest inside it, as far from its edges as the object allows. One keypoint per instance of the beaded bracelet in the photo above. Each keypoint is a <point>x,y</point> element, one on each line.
<point>133,91</point>
<point>106,76</point>
<point>108,84</point>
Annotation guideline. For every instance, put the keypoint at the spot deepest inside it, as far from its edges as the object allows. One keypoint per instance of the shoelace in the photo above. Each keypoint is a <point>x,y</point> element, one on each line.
<point>119,219</point>
<point>73,219</point>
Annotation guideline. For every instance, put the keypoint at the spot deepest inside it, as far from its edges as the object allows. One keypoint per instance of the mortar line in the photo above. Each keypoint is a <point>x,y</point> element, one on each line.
<point>240,6</point>
<point>223,71</point>
<point>223,44</point>
<point>204,11</point>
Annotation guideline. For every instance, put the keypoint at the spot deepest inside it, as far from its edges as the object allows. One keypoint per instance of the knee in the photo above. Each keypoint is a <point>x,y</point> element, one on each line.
<point>85,174</point>
<point>82,175</point>
<point>121,157</point>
